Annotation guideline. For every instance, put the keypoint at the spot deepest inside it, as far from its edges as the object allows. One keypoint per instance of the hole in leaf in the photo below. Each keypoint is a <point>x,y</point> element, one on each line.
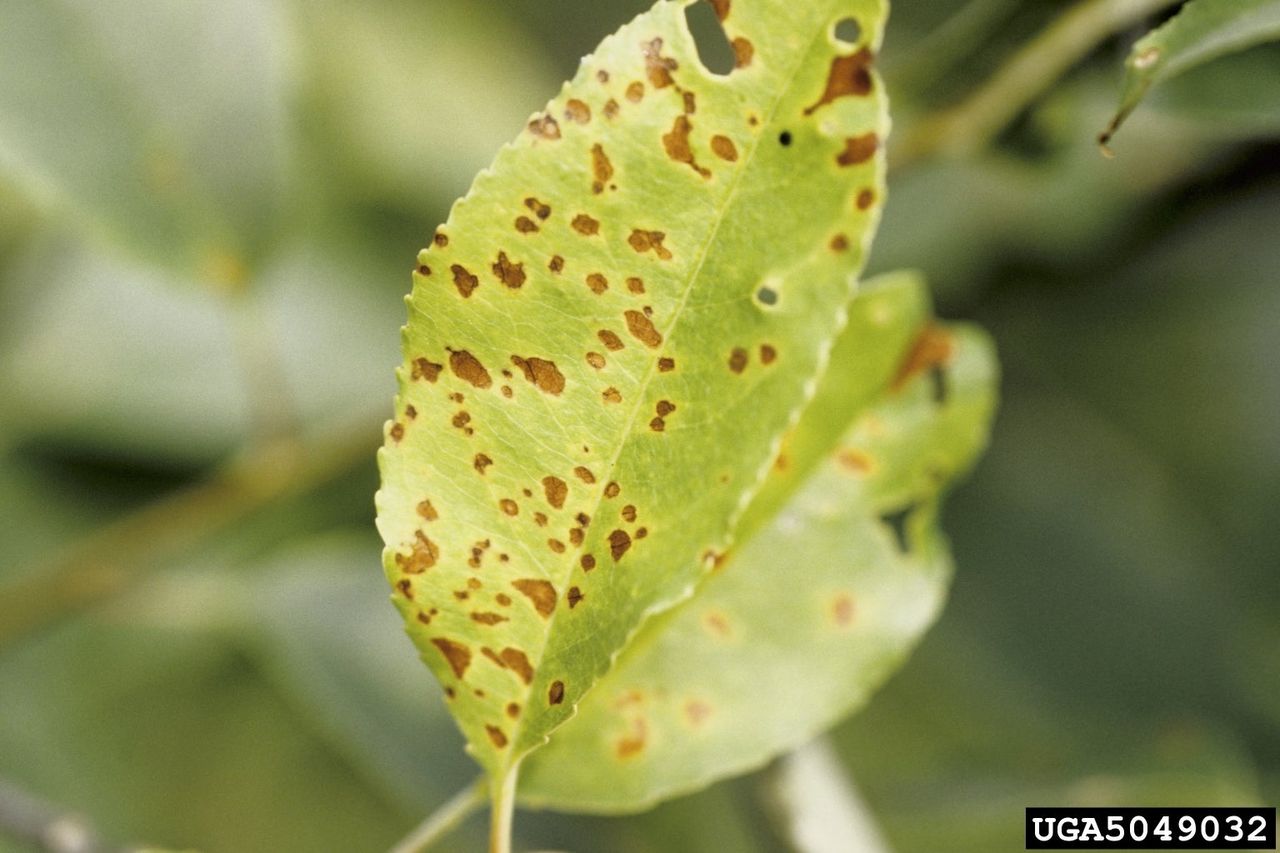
<point>708,36</point>
<point>784,138</point>
<point>767,295</point>
<point>848,30</point>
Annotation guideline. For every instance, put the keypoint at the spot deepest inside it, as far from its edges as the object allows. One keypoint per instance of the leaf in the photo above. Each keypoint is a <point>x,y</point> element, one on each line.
<point>808,618</point>
<point>606,342</point>
<point>158,126</point>
<point>1202,30</point>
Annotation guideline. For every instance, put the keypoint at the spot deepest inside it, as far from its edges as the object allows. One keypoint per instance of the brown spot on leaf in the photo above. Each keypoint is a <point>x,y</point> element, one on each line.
<point>496,735</point>
<point>743,52</point>
<point>629,513</point>
<point>556,545</point>
<point>457,654</point>
<point>587,562</point>
<point>540,518</point>
<point>440,239</point>
<point>839,243</point>
<point>584,474</point>
<point>601,168</point>
<point>716,623</point>
<point>643,241</point>
<point>610,108</point>
<point>632,744</point>
<point>635,92</point>
<point>721,8</point>
<point>855,461</point>
<point>427,511</point>
<point>866,198</point>
<point>767,354</point>
<point>556,264</point>
<point>696,712</point>
<point>611,395</point>
<point>738,360</point>
<point>724,148</point>
<point>676,144</point>
<point>397,431</point>
<point>597,283</point>
<point>423,270</point>
<point>488,618</point>
<point>422,555</point>
<point>849,75</point>
<point>525,225</point>
<point>545,127</point>
<point>596,360</point>
<point>658,68</point>
<point>612,490</point>
<point>585,225</point>
<point>665,407</point>
<point>635,285</point>
<point>463,280</point>
<point>467,367</point>
<point>513,710</point>
<point>405,587</point>
<point>642,328</point>
<point>666,365</point>
<point>690,102</point>
<point>858,149</point>
<point>542,373</point>
<point>577,111</point>
<point>481,462</point>
<point>503,599</point>
<point>556,490</point>
<point>610,340</point>
<point>931,348</point>
<point>540,210</point>
<point>658,425</point>
<point>541,593</point>
<point>619,542</point>
<point>555,693</point>
<point>574,597</point>
<point>842,610</point>
<point>424,368</point>
<point>509,506</point>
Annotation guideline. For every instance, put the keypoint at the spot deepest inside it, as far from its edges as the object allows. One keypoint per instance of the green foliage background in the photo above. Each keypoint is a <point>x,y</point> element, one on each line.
<point>207,222</point>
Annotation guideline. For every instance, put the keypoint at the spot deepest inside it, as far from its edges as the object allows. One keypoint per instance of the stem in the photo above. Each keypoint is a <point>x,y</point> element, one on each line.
<point>1033,68</point>
<point>502,810</point>
<point>443,820</point>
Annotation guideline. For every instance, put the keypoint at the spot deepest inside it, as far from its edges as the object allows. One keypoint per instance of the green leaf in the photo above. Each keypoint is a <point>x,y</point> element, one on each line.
<point>607,341</point>
<point>810,616</point>
<point>158,126</point>
<point>1202,30</point>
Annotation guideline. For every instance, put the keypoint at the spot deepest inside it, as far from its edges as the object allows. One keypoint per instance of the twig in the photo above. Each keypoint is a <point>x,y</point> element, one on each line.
<point>1033,68</point>
<point>444,819</point>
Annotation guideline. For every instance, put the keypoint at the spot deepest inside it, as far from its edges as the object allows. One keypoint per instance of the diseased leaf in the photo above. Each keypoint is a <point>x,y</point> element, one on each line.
<point>1202,30</point>
<point>812,614</point>
<point>607,340</point>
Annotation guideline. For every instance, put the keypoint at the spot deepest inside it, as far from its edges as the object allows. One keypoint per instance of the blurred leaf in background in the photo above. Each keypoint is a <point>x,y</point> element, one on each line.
<point>208,215</point>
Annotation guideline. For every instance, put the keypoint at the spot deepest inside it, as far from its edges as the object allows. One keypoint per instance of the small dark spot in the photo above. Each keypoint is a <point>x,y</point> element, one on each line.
<point>488,618</point>
<point>544,374</point>
<point>612,490</point>
<point>596,360</point>
<point>676,144</point>
<point>865,199</point>
<point>658,67</point>
<point>642,532</point>
<point>629,513</point>
<point>545,127</point>
<point>540,210</point>
<point>574,597</point>
<point>849,75</point>
<point>690,102</point>
<point>839,243</point>
<point>842,610</point>
<point>665,407</point>
<point>587,562</point>
<point>509,507</point>
<point>441,239</point>
<point>460,420</point>
<point>611,395</point>
<point>666,365</point>
<point>463,280</point>
<point>423,269</point>
<point>602,76</point>
<point>422,555</point>
<point>738,360</point>
<point>767,354</point>
<point>743,52</point>
<point>540,592</point>
<point>556,264</point>
<point>525,225</point>
<point>610,108</point>
<point>405,587</point>
<point>503,599</point>
<point>610,340</point>
<point>585,225</point>
<point>619,542</point>
<point>540,519</point>
<point>577,111</point>
<point>642,328</point>
<point>635,285</point>
<point>635,92</point>
<point>450,693</point>
<point>456,654</point>
<point>724,148</point>
<point>556,490</point>
<point>858,149</point>
<point>644,241</point>
<point>597,283</point>
<point>427,511</point>
<point>481,462</point>
<point>513,710</point>
<point>658,425</point>
<point>556,545</point>
<point>584,474</point>
<point>601,168</point>
<point>426,369</point>
<point>784,138</point>
<point>767,296</point>
<point>496,735</point>
<point>555,694</point>
<point>397,431</point>
<point>576,537</point>
<point>468,368</point>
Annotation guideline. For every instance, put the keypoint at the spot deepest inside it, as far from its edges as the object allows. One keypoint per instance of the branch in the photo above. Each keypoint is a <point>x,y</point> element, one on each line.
<point>444,819</point>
